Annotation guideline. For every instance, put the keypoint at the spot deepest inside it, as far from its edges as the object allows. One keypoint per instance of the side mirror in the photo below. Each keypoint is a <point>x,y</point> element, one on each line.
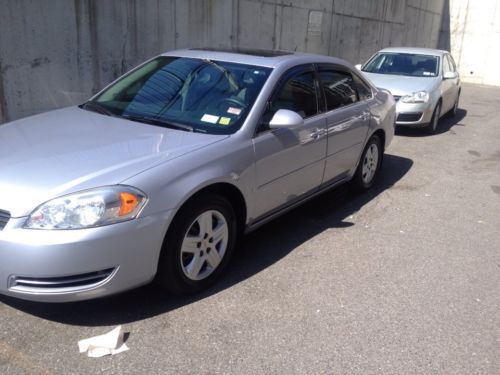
<point>358,66</point>
<point>450,75</point>
<point>285,118</point>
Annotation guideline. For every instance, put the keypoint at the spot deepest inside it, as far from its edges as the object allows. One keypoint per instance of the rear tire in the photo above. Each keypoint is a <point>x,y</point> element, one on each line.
<point>198,245</point>
<point>369,165</point>
<point>454,110</point>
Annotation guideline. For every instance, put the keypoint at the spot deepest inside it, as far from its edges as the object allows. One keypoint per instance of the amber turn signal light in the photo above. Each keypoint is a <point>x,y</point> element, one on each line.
<point>128,203</point>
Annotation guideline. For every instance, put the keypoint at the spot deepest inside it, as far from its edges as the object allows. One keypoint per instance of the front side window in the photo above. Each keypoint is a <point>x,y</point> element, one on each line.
<point>451,63</point>
<point>339,89</point>
<point>446,65</point>
<point>200,95</point>
<point>406,64</point>
<point>298,94</point>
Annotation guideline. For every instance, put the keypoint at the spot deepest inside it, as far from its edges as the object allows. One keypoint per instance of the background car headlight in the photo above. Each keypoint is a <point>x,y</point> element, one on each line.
<point>90,208</point>
<point>416,97</point>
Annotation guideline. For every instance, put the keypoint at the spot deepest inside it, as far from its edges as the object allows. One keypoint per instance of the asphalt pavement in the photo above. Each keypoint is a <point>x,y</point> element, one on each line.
<point>404,279</point>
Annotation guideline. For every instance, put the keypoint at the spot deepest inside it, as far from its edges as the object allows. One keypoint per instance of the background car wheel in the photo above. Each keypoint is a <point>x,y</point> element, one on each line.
<point>369,164</point>
<point>454,110</point>
<point>433,125</point>
<point>198,245</point>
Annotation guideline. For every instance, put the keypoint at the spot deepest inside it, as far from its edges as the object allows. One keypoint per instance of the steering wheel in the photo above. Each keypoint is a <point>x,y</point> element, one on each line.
<point>231,102</point>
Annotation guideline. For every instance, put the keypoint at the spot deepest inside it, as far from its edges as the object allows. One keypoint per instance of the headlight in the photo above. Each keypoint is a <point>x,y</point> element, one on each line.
<point>90,208</point>
<point>416,97</point>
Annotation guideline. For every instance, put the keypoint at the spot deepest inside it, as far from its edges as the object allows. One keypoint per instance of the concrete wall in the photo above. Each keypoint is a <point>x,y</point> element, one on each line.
<point>55,53</point>
<point>475,39</point>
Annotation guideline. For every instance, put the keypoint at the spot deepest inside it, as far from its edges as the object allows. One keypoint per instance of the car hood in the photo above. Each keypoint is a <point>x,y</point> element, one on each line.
<point>402,85</point>
<point>71,149</point>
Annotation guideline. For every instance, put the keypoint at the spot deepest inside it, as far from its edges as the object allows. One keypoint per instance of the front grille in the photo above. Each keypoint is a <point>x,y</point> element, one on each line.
<point>51,284</point>
<point>409,117</point>
<point>4,218</point>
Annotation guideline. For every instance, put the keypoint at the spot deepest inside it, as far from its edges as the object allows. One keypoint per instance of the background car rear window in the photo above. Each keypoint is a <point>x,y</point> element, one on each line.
<point>298,95</point>
<point>339,89</point>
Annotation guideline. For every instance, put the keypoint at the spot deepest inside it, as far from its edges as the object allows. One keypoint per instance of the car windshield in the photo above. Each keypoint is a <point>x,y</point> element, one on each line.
<point>404,64</point>
<point>185,93</point>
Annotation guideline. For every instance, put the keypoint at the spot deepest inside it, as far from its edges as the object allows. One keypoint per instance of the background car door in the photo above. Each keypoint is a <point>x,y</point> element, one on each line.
<point>347,117</point>
<point>290,161</point>
<point>449,87</point>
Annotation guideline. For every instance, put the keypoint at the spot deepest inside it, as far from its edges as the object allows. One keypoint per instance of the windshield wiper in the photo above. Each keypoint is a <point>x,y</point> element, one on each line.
<point>96,107</point>
<point>158,122</point>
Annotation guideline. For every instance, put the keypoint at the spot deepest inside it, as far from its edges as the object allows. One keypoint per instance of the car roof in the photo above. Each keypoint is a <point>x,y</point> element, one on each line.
<point>271,59</point>
<point>416,50</point>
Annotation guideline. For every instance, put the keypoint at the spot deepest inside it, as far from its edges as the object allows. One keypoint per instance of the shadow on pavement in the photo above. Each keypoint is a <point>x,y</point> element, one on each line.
<point>445,124</point>
<point>258,251</point>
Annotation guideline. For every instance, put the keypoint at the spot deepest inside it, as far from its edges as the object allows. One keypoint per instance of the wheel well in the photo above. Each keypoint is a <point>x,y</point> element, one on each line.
<point>231,193</point>
<point>381,134</point>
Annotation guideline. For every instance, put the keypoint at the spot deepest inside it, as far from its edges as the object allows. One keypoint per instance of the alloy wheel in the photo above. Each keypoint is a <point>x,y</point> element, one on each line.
<point>370,163</point>
<point>204,245</point>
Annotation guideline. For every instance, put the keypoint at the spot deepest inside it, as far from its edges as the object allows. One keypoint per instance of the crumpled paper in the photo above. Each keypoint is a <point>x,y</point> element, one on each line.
<point>108,344</point>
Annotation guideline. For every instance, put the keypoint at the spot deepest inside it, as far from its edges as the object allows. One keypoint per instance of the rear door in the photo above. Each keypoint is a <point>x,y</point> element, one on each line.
<point>290,162</point>
<point>346,99</point>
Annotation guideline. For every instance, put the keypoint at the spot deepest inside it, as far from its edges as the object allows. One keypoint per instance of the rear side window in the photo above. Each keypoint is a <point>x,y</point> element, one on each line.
<point>298,94</point>
<point>364,91</point>
<point>339,89</point>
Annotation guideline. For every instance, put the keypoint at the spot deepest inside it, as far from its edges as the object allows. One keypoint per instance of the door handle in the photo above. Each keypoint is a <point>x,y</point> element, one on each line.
<point>314,135</point>
<point>364,116</point>
<point>317,133</point>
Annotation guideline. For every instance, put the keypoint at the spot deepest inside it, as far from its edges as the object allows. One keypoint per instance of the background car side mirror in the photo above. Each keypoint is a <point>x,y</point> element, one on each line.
<point>358,66</point>
<point>450,75</point>
<point>284,118</point>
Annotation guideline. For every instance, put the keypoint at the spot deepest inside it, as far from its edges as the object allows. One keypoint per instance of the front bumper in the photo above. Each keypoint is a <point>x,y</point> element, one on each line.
<point>72,265</point>
<point>413,114</point>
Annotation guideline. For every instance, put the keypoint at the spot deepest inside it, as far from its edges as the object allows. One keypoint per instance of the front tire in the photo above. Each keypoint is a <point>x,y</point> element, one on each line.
<point>369,165</point>
<point>433,125</point>
<point>198,245</point>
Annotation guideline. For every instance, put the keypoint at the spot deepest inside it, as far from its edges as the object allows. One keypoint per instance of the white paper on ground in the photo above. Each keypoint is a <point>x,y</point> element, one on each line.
<point>107,344</point>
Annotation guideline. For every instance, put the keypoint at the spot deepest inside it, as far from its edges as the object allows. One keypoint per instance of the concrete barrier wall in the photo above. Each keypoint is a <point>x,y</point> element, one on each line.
<point>475,39</point>
<point>55,53</point>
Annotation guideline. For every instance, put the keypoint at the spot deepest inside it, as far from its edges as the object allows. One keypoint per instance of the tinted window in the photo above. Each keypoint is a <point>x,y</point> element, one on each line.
<point>208,96</point>
<point>339,89</point>
<point>406,64</point>
<point>364,91</point>
<point>298,95</point>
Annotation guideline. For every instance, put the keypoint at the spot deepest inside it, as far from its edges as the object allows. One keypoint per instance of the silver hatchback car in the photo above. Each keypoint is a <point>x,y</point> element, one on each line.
<point>424,82</point>
<point>157,175</point>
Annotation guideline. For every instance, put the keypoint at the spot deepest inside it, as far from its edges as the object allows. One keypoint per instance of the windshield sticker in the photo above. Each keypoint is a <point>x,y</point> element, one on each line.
<point>224,120</point>
<point>427,74</point>
<point>234,110</point>
<point>210,118</point>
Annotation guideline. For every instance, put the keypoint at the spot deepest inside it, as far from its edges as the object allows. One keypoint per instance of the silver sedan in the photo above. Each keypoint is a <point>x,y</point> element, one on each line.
<point>424,82</point>
<point>156,176</point>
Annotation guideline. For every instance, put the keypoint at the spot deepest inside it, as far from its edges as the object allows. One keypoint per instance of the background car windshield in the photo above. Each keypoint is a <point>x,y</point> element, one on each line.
<point>209,96</point>
<point>405,64</point>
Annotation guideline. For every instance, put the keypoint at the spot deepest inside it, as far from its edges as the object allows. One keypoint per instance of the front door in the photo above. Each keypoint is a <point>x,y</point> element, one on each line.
<point>449,86</point>
<point>290,161</point>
